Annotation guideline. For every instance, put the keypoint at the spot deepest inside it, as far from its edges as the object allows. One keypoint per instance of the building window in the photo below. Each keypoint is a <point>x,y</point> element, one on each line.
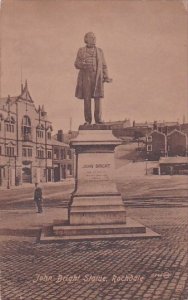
<point>63,154</point>
<point>49,135</point>
<point>24,152</point>
<point>27,152</point>
<point>150,138</point>
<point>9,124</point>
<point>56,154</point>
<point>0,150</point>
<point>49,132</point>
<point>1,119</point>
<point>69,153</point>
<point>49,154</point>
<point>26,128</point>
<point>40,133</point>
<point>149,147</point>
<point>9,151</point>
<point>69,169</point>
<point>26,125</point>
<point>40,153</point>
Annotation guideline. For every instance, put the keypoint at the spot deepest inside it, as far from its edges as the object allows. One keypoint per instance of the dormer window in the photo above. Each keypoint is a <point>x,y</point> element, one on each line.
<point>49,130</point>
<point>49,135</point>
<point>40,131</point>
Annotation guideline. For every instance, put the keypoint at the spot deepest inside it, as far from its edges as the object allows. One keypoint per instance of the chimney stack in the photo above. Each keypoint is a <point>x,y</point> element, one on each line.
<point>60,136</point>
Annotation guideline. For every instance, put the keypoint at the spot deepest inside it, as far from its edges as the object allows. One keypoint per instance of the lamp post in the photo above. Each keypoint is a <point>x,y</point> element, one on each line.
<point>8,183</point>
<point>15,170</point>
<point>146,160</point>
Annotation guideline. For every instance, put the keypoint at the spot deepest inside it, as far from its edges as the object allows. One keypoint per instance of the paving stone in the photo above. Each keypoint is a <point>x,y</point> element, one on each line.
<point>22,260</point>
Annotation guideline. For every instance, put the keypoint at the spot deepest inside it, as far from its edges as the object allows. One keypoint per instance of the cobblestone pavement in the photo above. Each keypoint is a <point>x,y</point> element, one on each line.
<point>102,270</point>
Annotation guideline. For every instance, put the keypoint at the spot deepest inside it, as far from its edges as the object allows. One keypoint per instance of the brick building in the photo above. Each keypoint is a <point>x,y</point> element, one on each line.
<point>118,124</point>
<point>177,143</point>
<point>166,127</point>
<point>156,145</point>
<point>173,165</point>
<point>184,128</point>
<point>159,144</point>
<point>26,146</point>
<point>62,158</point>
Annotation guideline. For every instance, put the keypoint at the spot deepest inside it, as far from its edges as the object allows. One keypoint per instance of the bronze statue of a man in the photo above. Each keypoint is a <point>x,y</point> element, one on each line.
<point>92,75</point>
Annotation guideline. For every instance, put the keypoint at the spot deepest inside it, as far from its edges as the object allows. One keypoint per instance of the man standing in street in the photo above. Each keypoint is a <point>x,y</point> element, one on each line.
<point>92,75</point>
<point>38,198</point>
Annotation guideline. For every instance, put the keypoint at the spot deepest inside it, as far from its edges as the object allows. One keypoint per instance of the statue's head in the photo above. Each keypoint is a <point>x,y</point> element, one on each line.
<point>90,39</point>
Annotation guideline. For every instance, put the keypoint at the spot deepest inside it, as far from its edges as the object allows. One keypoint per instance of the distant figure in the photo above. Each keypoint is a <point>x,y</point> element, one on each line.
<point>92,75</point>
<point>38,198</point>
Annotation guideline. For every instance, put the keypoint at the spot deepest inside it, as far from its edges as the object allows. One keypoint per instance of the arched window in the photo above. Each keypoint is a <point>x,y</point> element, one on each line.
<point>26,128</point>
<point>26,125</point>
<point>1,121</point>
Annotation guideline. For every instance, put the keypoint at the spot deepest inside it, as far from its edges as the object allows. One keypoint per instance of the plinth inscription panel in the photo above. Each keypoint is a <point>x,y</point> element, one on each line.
<point>96,172</point>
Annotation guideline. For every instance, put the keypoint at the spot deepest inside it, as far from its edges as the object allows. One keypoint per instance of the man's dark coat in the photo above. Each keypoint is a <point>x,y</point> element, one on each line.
<point>101,73</point>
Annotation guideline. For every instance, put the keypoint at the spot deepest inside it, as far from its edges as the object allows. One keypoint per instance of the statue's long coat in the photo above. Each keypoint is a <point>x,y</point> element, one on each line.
<point>101,74</point>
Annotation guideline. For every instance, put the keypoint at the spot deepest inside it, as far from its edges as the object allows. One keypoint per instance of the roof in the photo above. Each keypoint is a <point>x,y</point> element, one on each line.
<point>57,143</point>
<point>25,95</point>
<point>185,125</point>
<point>117,122</point>
<point>176,131</point>
<point>167,123</point>
<point>174,160</point>
<point>157,132</point>
<point>5,100</point>
<point>146,124</point>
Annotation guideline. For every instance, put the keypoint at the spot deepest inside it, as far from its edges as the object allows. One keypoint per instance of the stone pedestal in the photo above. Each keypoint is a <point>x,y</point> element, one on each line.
<point>95,199</point>
<point>96,210</point>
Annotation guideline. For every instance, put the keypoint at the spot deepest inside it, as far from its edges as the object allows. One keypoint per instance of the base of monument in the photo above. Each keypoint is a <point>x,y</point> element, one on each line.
<point>97,210</point>
<point>132,229</point>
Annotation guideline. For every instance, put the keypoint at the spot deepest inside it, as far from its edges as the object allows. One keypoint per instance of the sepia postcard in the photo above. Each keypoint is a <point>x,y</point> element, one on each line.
<point>94,149</point>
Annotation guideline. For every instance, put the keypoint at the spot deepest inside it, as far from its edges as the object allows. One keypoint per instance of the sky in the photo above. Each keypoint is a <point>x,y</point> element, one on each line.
<point>145,43</point>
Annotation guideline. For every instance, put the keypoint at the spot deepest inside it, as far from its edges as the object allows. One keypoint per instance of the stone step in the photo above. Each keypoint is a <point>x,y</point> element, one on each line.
<point>96,208</point>
<point>98,217</point>
<point>131,230</point>
<point>98,230</point>
<point>101,200</point>
<point>57,239</point>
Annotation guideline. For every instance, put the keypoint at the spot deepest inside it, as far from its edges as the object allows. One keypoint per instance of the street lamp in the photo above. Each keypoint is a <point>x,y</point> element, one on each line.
<point>8,183</point>
<point>146,160</point>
